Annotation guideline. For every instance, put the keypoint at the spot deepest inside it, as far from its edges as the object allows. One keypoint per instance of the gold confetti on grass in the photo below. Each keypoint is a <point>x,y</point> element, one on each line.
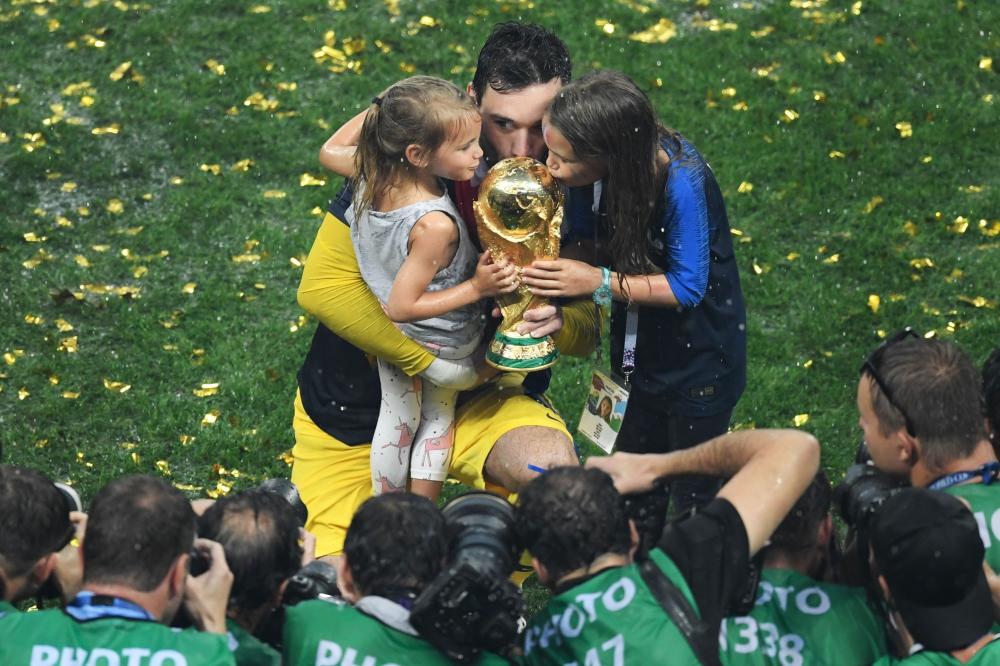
<point>34,320</point>
<point>978,301</point>
<point>874,302</point>
<point>206,390</point>
<point>243,165</point>
<point>800,420</point>
<point>959,226</point>
<point>215,67</point>
<point>274,194</point>
<point>921,263</point>
<point>163,467</point>
<point>659,33</point>
<point>69,345</point>
<point>71,395</point>
<point>113,128</point>
<point>837,58</point>
<point>763,32</point>
<point>210,418</point>
<point>115,206</point>
<point>836,155</point>
<point>905,129</point>
<point>789,116</point>
<point>63,326</point>
<point>872,204</point>
<point>116,386</point>
<point>986,64</point>
<point>745,187</point>
<point>213,169</point>
<point>310,180</point>
<point>189,288</point>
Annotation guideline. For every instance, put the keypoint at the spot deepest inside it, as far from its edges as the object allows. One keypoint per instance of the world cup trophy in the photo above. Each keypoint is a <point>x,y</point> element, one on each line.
<point>519,213</point>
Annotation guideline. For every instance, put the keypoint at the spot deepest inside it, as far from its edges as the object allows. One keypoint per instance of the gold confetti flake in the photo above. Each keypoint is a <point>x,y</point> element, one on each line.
<point>872,204</point>
<point>713,25</point>
<point>210,418</point>
<point>215,67</point>
<point>63,326</point>
<point>117,387</point>
<point>765,71</point>
<point>124,69</point>
<point>32,237</point>
<point>221,489</point>
<point>206,390</point>
<point>81,261</point>
<point>259,9</point>
<point>113,128</point>
<point>989,229</point>
<point>317,211</point>
<point>69,345</point>
<point>763,32</point>
<point>819,96</point>
<point>286,457</point>
<point>905,129</point>
<point>757,268</point>
<point>289,86</point>
<point>186,439</point>
<point>874,302</point>
<point>800,420</point>
<point>274,194</point>
<point>955,275</point>
<point>959,226</point>
<point>213,169</point>
<point>163,467</point>
<point>792,256</point>
<point>660,32</point>
<point>910,228</point>
<point>391,6</point>
<point>837,58</point>
<point>986,64</point>
<point>115,206</point>
<point>728,92</point>
<point>745,187</point>
<point>808,363</point>
<point>259,102</point>
<point>136,458</point>
<point>309,180</point>
<point>836,155</point>
<point>246,258</point>
<point>789,116</point>
<point>296,262</point>
<point>71,395</point>
<point>23,393</point>
<point>856,8</point>
<point>10,358</point>
<point>296,326</point>
<point>978,302</point>
<point>832,259</point>
<point>34,320</point>
<point>189,288</point>
<point>176,180</point>
<point>740,106</point>
<point>921,263</point>
<point>242,165</point>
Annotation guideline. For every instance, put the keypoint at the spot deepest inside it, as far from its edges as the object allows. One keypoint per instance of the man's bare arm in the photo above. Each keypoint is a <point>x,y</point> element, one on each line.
<point>770,470</point>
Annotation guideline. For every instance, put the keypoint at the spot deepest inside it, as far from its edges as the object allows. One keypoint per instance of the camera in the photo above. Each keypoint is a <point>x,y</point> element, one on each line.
<point>861,493</point>
<point>472,604</point>
<point>51,589</point>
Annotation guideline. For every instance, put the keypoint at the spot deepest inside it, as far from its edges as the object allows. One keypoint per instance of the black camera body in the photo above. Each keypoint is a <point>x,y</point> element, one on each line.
<point>472,604</point>
<point>863,490</point>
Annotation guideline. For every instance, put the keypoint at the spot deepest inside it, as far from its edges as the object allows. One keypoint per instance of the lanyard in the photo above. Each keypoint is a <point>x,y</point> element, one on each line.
<point>88,606</point>
<point>988,472</point>
<point>631,334</point>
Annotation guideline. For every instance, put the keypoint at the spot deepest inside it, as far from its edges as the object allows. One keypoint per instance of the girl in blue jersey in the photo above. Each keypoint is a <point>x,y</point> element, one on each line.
<point>649,205</point>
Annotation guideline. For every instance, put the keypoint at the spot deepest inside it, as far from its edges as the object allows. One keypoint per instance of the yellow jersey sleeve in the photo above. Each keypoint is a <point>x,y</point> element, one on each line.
<point>583,322</point>
<point>333,291</point>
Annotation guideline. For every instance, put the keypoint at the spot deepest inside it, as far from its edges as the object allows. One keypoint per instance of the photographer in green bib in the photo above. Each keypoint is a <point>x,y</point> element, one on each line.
<point>921,409</point>
<point>395,548</point>
<point>37,526</point>
<point>799,617</point>
<point>609,607</point>
<point>135,555</point>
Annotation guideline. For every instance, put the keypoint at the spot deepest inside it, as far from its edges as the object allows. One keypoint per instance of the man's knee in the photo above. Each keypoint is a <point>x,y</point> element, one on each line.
<point>520,453</point>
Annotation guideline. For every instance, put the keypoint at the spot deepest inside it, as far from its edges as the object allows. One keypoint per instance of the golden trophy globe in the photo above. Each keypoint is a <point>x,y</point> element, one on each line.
<point>519,213</point>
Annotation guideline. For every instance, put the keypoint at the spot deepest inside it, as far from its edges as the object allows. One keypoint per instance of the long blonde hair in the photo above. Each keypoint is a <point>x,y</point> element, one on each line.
<point>421,110</point>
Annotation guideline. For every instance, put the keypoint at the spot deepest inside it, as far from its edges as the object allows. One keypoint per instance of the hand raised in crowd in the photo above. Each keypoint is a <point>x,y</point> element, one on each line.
<point>69,564</point>
<point>206,597</point>
<point>631,472</point>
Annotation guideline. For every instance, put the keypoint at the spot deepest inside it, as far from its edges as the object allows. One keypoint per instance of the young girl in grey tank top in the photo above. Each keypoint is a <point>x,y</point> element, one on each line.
<point>417,257</point>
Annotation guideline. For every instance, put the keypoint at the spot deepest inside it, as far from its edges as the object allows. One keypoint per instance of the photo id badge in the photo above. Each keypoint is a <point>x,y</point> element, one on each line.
<point>604,411</point>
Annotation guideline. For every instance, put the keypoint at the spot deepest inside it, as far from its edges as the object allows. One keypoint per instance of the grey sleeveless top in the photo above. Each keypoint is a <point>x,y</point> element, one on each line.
<point>380,243</point>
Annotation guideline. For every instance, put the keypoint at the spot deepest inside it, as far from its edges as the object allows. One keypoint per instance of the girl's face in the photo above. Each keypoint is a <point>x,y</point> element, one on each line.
<point>458,158</point>
<point>563,163</point>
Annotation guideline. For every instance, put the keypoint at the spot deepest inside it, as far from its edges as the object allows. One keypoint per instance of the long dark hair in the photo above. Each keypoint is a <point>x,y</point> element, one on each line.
<point>607,119</point>
<point>421,110</point>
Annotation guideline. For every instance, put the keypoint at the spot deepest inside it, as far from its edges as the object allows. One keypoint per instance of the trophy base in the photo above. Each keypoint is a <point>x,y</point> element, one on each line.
<point>512,351</point>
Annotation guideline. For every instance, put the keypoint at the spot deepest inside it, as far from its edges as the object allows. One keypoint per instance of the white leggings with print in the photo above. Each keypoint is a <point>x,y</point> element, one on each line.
<point>416,427</point>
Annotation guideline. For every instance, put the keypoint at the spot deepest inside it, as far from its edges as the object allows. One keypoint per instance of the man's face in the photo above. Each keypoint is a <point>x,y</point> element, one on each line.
<point>885,450</point>
<point>512,121</point>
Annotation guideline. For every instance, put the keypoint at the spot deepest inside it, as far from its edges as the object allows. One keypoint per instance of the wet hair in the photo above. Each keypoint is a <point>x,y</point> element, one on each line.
<point>34,519</point>
<point>259,532</point>
<point>136,529</point>
<point>991,391</point>
<point>396,543</point>
<point>570,516</point>
<point>518,55</point>
<point>941,391</point>
<point>421,110</point>
<point>609,120</point>
<point>798,531</point>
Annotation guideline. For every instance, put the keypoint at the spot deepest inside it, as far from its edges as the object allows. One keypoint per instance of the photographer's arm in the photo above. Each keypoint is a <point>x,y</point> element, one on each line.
<point>770,470</point>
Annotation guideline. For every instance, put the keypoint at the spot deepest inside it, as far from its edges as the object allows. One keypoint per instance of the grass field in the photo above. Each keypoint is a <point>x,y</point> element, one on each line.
<point>161,191</point>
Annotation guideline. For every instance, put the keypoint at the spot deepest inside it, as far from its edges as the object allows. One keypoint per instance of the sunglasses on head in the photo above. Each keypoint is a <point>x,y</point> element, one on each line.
<point>874,361</point>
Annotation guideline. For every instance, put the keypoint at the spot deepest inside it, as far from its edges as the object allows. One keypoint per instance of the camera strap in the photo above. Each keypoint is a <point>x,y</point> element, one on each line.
<point>987,472</point>
<point>704,642</point>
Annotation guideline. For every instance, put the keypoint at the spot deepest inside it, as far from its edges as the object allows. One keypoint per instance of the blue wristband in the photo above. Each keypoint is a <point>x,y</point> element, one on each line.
<point>602,295</point>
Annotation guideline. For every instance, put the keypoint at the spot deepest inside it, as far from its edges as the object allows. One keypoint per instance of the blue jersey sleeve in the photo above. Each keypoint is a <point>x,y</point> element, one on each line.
<point>685,227</point>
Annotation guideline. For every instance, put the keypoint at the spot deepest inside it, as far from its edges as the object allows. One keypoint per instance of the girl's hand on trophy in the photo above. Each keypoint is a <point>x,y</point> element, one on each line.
<point>561,277</point>
<point>492,279</point>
